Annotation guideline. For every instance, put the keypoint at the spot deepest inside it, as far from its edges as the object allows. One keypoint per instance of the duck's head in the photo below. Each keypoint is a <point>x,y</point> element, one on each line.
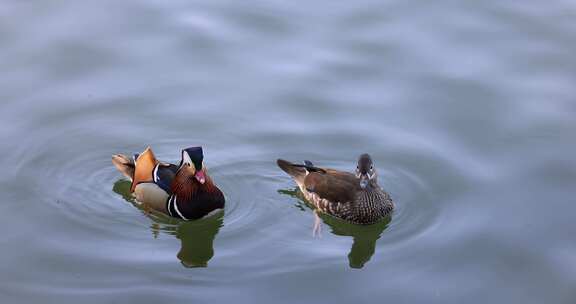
<point>365,170</point>
<point>193,163</point>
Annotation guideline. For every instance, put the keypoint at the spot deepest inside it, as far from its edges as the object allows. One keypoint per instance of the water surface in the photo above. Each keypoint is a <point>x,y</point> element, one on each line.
<point>468,110</point>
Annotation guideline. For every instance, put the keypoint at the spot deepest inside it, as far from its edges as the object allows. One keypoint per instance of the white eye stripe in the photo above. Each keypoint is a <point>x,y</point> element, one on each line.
<point>186,158</point>
<point>372,174</point>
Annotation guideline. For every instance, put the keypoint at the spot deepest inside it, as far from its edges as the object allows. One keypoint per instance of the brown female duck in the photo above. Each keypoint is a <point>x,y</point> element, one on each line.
<point>356,198</point>
<point>183,191</point>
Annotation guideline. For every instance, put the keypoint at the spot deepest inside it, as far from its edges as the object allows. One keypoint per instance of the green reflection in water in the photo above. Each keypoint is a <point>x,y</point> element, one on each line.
<point>196,237</point>
<point>364,236</point>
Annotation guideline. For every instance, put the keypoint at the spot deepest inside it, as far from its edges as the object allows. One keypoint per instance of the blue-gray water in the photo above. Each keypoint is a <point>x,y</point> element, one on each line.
<point>468,108</point>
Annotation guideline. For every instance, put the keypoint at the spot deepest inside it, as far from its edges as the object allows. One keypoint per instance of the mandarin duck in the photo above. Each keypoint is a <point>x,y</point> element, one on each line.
<point>356,198</point>
<point>183,191</point>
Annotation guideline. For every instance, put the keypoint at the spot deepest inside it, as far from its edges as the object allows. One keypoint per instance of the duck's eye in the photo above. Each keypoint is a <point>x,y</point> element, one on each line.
<point>371,168</point>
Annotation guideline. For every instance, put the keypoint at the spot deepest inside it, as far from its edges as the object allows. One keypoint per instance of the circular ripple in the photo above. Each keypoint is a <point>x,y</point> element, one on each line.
<point>261,211</point>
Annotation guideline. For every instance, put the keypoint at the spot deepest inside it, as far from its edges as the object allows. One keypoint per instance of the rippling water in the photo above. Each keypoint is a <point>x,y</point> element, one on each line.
<point>468,109</point>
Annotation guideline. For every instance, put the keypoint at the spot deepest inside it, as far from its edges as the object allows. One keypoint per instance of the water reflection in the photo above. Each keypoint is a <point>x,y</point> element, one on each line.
<point>196,237</point>
<point>364,236</point>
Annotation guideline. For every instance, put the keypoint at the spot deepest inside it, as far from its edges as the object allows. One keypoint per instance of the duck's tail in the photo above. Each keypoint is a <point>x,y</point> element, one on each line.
<point>298,172</point>
<point>125,165</point>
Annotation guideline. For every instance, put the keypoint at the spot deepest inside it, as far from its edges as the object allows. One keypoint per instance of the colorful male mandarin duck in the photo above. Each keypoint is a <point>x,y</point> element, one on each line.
<point>355,198</point>
<point>184,191</point>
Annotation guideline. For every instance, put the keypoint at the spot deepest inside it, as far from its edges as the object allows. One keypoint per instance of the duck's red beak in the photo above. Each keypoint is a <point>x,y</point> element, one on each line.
<point>200,177</point>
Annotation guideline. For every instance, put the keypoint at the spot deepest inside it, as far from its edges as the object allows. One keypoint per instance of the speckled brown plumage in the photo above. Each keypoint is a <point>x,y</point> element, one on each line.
<point>340,193</point>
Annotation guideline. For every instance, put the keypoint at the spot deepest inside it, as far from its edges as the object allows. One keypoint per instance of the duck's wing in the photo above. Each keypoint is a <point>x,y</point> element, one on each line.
<point>155,193</point>
<point>144,168</point>
<point>298,171</point>
<point>163,175</point>
<point>329,184</point>
<point>332,185</point>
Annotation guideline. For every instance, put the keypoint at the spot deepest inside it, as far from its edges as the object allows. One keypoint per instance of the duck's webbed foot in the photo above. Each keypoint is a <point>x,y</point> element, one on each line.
<point>317,230</point>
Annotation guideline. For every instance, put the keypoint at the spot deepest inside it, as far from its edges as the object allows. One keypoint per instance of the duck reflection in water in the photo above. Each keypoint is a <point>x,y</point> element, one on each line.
<point>364,236</point>
<point>196,237</point>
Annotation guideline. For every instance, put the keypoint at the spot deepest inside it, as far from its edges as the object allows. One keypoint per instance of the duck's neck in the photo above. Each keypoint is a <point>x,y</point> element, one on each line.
<point>186,187</point>
<point>373,184</point>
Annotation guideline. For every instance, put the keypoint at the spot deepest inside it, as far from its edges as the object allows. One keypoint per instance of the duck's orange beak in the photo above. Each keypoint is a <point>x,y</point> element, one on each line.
<point>200,176</point>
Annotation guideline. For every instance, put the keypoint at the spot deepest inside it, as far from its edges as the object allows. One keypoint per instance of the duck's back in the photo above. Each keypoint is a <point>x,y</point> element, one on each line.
<point>332,185</point>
